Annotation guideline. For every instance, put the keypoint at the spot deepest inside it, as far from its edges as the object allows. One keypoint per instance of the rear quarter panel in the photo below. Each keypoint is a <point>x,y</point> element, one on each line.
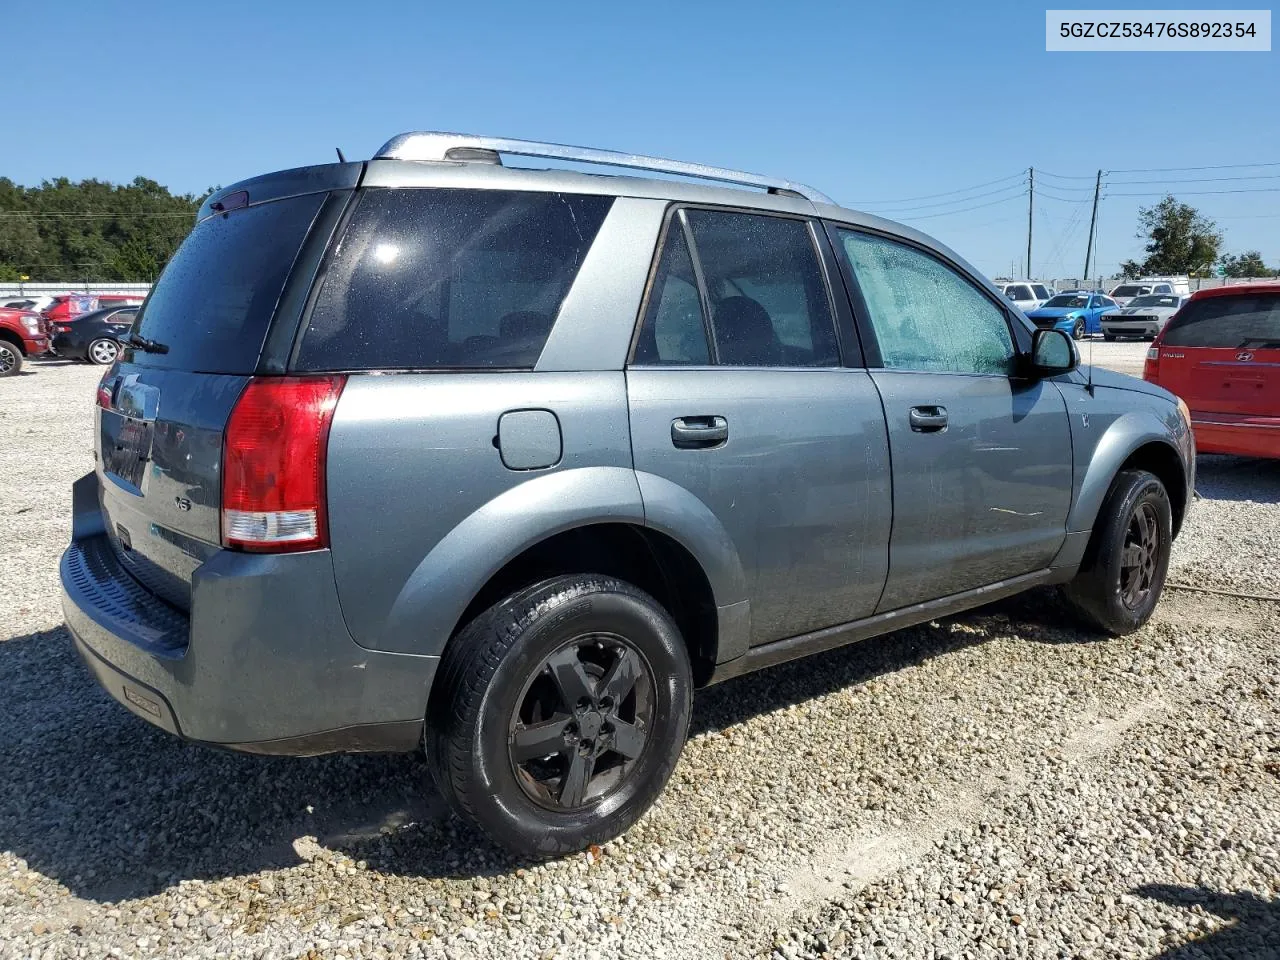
<point>422,509</point>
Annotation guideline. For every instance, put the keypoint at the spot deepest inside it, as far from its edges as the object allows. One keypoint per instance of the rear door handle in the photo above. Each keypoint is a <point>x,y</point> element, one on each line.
<point>699,433</point>
<point>928,419</point>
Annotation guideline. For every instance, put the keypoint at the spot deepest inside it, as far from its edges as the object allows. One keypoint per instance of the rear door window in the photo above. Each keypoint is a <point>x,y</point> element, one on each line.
<point>449,279</point>
<point>214,301</point>
<point>1020,293</point>
<point>1042,293</point>
<point>1249,321</point>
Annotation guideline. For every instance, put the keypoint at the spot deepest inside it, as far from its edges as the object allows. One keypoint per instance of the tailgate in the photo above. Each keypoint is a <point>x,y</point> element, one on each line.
<point>159,461</point>
<point>1223,380</point>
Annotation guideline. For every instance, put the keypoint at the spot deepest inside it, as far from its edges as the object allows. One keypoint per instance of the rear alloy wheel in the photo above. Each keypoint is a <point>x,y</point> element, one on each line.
<point>103,352</point>
<point>10,359</point>
<point>1128,557</point>
<point>558,714</point>
<point>1077,332</point>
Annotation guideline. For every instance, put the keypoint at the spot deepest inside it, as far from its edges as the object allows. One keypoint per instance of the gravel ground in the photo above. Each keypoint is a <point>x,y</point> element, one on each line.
<point>996,784</point>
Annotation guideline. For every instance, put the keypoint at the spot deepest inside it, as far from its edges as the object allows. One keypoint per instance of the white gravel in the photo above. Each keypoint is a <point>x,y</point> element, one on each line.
<point>998,784</point>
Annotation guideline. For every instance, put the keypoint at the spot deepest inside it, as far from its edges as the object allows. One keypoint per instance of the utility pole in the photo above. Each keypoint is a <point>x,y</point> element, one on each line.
<point>1093,222</point>
<point>1031,198</point>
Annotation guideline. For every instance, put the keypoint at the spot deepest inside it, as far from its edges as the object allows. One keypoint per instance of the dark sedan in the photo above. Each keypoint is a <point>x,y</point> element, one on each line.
<point>94,336</point>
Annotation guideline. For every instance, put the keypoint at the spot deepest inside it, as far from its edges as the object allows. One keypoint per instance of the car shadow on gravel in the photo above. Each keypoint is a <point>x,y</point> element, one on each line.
<point>1253,923</point>
<point>1237,479</point>
<point>115,809</point>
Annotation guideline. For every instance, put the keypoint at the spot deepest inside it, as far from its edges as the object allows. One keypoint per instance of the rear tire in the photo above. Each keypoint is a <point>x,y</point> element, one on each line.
<point>10,359</point>
<point>1117,588</point>
<point>559,713</point>
<point>103,352</point>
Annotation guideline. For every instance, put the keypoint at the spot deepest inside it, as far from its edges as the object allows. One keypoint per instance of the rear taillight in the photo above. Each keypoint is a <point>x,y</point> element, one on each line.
<point>273,465</point>
<point>106,386</point>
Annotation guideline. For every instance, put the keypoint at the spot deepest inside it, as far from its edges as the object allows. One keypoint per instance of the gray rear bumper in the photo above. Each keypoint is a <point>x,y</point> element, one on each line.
<point>264,662</point>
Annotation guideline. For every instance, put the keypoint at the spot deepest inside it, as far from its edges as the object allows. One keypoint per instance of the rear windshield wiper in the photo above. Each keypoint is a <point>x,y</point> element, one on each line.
<point>145,345</point>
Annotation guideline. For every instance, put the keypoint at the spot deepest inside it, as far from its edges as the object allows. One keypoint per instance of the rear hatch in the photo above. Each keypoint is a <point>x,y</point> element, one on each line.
<point>220,313</point>
<point>1221,354</point>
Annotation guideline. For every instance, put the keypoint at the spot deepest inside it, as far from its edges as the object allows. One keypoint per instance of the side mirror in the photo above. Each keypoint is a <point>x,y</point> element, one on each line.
<point>1052,353</point>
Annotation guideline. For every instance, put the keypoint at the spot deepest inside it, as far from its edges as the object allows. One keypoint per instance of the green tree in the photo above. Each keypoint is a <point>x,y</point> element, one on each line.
<point>1180,240</point>
<point>1247,264</point>
<point>91,230</point>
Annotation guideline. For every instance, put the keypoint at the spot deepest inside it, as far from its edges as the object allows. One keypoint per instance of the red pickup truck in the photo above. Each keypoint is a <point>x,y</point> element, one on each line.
<point>22,334</point>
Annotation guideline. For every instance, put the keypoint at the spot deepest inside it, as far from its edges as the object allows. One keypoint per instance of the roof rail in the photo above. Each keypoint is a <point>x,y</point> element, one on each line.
<point>463,147</point>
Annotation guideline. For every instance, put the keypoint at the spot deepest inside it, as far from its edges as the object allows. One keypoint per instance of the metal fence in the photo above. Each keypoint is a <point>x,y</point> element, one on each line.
<point>1110,283</point>
<point>26,289</point>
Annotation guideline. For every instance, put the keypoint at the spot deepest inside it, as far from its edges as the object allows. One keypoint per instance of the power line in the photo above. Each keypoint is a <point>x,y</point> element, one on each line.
<point>946,193</point>
<point>1046,173</point>
<point>951,213</point>
<point>1220,166</point>
<point>1193,193</point>
<point>1256,176</point>
<point>1017,192</point>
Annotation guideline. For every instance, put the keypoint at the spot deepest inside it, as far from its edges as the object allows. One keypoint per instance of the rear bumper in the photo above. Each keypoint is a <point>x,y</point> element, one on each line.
<point>1129,329</point>
<point>1241,436</point>
<point>263,664</point>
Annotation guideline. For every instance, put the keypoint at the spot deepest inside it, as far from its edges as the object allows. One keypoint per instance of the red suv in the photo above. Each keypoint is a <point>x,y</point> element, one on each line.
<point>68,306</point>
<point>1221,354</point>
<point>21,335</point>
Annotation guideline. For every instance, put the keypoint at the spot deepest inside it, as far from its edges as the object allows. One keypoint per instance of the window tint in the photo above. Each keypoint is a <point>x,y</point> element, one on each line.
<point>1042,293</point>
<point>427,278</point>
<point>1020,293</point>
<point>673,331</point>
<point>925,315</point>
<point>768,298</point>
<point>1238,321</point>
<point>214,301</point>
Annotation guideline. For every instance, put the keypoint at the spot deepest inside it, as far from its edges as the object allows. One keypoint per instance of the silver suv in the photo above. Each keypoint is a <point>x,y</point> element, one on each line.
<point>430,451</point>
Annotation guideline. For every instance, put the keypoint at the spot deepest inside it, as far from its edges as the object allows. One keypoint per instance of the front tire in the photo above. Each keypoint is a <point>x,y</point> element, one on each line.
<point>10,359</point>
<point>1077,332</point>
<point>1127,560</point>
<point>559,713</point>
<point>103,352</point>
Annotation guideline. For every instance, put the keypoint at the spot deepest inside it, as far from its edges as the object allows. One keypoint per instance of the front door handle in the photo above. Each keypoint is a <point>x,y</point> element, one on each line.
<point>699,433</point>
<point>928,419</point>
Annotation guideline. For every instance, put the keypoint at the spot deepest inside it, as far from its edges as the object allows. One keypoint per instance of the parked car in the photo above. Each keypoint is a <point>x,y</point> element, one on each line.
<point>95,336</point>
<point>21,336</point>
<point>1176,286</point>
<point>502,462</point>
<point>1076,312</point>
<point>1025,294</point>
<point>68,306</point>
<point>1142,317</point>
<point>1220,354</point>
<point>31,304</point>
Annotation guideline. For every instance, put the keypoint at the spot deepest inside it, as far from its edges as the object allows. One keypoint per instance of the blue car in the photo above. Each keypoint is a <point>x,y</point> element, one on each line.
<point>1077,312</point>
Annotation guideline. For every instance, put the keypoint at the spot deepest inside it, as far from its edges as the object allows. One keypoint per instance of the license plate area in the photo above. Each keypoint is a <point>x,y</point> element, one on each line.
<point>127,449</point>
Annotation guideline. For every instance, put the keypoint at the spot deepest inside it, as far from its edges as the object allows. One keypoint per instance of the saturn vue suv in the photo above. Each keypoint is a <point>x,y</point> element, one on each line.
<point>432,452</point>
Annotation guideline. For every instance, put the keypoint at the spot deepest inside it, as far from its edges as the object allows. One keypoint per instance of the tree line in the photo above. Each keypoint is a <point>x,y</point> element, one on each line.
<point>91,230</point>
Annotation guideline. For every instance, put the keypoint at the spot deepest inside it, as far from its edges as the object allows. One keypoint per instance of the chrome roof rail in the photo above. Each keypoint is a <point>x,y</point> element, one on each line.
<point>464,147</point>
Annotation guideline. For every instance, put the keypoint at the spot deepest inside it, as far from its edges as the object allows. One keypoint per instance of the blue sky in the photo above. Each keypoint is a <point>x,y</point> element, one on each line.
<point>872,103</point>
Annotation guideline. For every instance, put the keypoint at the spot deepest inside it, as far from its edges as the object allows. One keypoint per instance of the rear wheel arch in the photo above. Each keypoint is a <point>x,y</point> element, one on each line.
<point>653,561</point>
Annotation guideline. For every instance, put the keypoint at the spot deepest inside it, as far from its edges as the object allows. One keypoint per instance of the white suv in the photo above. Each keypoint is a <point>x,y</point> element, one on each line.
<point>1025,294</point>
<point>1168,286</point>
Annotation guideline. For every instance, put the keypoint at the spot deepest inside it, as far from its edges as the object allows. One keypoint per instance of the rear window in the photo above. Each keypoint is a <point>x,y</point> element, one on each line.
<point>213,303</point>
<point>449,279</point>
<point>1251,320</point>
<point>1130,291</point>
